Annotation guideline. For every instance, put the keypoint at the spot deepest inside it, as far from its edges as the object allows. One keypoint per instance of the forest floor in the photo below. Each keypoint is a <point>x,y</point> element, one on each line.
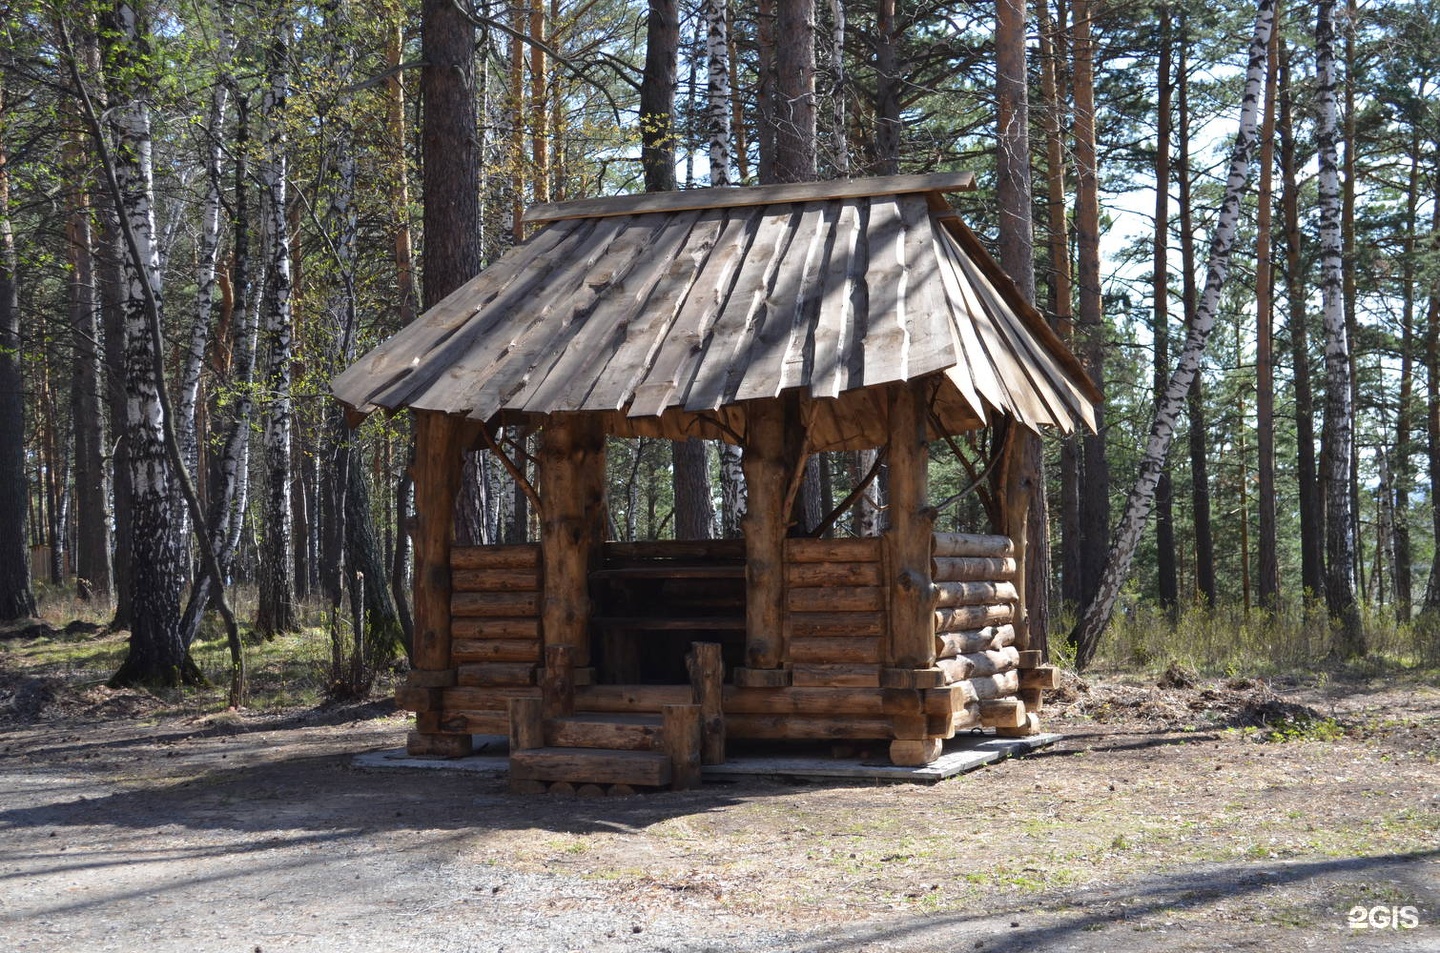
<point>1299,813</point>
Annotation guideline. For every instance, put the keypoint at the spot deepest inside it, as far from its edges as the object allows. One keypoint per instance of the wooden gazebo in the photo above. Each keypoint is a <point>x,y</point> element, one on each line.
<point>787,319</point>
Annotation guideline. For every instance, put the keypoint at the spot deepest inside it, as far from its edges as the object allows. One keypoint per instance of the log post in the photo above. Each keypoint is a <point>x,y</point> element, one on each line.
<point>1017,484</point>
<point>571,477</point>
<point>682,731</point>
<point>436,473</point>
<point>767,476</point>
<point>557,682</point>
<point>707,673</point>
<point>910,534</point>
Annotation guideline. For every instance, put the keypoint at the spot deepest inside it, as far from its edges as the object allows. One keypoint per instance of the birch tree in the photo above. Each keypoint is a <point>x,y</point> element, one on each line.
<point>276,612</point>
<point>1086,636</point>
<point>1340,528</point>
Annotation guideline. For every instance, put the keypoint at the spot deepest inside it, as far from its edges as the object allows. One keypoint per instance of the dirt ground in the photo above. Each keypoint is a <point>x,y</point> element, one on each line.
<point>1167,819</point>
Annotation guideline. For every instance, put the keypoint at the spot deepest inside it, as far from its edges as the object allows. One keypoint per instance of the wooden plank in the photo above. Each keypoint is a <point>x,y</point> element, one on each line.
<point>668,377</point>
<point>955,644</point>
<point>388,373</point>
<point>514,556</point>
<point>645,324</point>
<point>687,199</point>
<point>495,650</point>
<point>721,362</point>
<point>961,618</point>
<point>972,568</point>
<point>855,599</point>
<point>495,580</point>
<point>527,629</point>
<point>928,324</point>
<point>857,549</point>
<point>838,625</point>
<point>811,650</point>
<point>494,371</point>
<point>974,593</point>
<point>832,575</point>
<point>496,674</point>
<point>630,698</point>
<point>840,294</point>
<point>580,766</point>
<point>973,544</point>
<point>494,604</point>
<point>835,675</point>
<point>973,376</point>
<point>883,342</point>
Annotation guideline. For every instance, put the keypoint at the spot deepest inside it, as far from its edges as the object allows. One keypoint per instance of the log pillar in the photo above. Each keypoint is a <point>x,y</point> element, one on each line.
<point>1017,485</point>
<point>437,471</point>
<point>571,477</point>
<point>768,471</point>
<point>910,535</point>
<point>910,653</point>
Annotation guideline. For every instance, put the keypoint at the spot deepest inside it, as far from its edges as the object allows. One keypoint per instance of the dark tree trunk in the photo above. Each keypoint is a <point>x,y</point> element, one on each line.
<point>657,96</point>
<point>1167,577</point>
<point>17,600</point>
<point>450,193</point>
<point>1268,577</point>
<point>1312,507</point>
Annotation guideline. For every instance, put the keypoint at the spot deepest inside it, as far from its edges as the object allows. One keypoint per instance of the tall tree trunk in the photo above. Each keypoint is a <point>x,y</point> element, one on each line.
<point>156,653</point>
<point>1268,580</point>
<point>1166,572</point>
<point>1403,470</point>
<point>1432,396</point>
<point>87,406</point>
<point>657,96</point>
<point>1162,432</point>
<point>1312,506</point>
<point>839,138</point>
<point>1198,436</point>
<point>1349,293</point>
<point>1095,465</point>
<point>887,90</point>
<point>17,599</point>
<point>277,611</point>
<point>1340,517</point>
<point>450,193</point>
<point>1017,256</point>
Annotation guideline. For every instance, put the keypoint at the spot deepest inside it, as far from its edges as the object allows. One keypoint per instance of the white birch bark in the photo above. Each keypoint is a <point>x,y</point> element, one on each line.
<point>1340,525</point>
<point>717,109</point>
<point>839,142</point>
<point>1097,614</point>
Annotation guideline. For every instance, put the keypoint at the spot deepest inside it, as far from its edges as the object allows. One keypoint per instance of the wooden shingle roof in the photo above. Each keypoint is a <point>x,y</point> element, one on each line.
<point>670,311</point>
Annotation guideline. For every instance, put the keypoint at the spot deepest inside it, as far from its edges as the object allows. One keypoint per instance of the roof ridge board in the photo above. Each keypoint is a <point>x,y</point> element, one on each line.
<point>726,197</point>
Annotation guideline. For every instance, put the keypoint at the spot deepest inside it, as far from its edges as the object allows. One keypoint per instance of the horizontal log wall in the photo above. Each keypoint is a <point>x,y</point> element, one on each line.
<point>835,614</point>
<point>495,617</point>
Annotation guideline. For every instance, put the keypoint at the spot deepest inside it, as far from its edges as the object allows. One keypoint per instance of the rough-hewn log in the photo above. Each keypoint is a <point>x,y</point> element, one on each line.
<point>803,727</point>
<point>854,549</point>
<point>1044,677</point>
<point>973,544</point>
<point>909,539</point>
<point>707,678</point>
<point>955,644</point>
<point>615,732</point>
<point>915,752</point>
<point>479,627</point>
<point>945,701</point>
<point>1030,726</point>
<point>851,599</point>
<point>767,473</point>
<point>1002,712</point>
<point>995,686</point>
<point>976,664</point>
<point>683,739</point>
<point>975,593</point>
<point>557,681</point>
<point>571,476</point>
<point>835,675</point>
<point>466,698</point>
<point>494,604</point>
<point>496,675</point>
<point>519,556</point>
<point>472,722</point>
<point>836,650</point>
<point>833,575</point>
<point>972,568</point>
<point>527,724</point>
<point>495,650</point>
<point>839,625</point>
<point>959,618</point>
<point>495,580</point>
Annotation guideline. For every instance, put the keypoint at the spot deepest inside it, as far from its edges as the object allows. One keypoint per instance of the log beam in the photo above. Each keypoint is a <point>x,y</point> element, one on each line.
<point>910,534</point>
<point>768,463</point>
<point>572,526</point>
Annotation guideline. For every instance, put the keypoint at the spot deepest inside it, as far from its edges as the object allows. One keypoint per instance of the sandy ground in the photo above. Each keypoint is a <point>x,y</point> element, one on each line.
<point>1159,823</point>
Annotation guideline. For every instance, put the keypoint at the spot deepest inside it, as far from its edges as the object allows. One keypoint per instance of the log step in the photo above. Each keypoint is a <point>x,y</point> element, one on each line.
<point>591,766</point>
<point>615,732</point>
